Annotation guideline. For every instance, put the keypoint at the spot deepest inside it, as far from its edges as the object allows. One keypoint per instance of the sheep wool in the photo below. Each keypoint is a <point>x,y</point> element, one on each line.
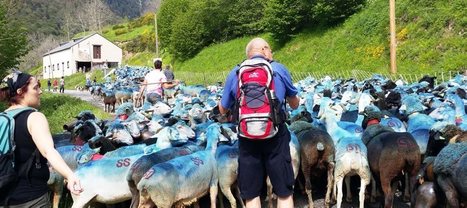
<point>300,126</point>
<point>374,130</point>
<point>448,157</point>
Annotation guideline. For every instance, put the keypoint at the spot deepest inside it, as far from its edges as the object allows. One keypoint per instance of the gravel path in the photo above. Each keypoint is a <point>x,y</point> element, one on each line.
<point>86,96</point>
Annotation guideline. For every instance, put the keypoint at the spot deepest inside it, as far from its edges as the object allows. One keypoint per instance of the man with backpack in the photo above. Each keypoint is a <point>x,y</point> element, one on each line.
<point>255,94</point>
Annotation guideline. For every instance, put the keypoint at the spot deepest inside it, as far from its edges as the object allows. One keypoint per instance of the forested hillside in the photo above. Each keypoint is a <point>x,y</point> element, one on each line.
<point>431,37</point>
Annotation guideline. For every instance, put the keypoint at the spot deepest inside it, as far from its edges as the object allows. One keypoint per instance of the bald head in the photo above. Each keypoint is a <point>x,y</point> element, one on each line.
<point>258,46</point>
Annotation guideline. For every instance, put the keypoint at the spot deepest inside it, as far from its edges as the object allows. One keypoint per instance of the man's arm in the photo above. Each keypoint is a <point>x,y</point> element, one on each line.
<point>222,110</point>
<point>294,101</point>
<point>171,84</point>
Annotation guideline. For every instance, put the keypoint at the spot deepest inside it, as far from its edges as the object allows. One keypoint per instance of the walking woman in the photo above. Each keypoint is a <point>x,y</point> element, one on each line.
<point>31,133</point>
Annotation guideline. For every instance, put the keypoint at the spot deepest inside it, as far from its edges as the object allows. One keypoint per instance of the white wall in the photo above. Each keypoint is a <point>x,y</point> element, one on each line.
<point>64,61</point>
<point>82,52</point>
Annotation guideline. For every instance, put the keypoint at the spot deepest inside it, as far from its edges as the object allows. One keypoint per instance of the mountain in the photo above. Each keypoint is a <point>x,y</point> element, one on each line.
<point>132,8</point>
<point>67,17</point>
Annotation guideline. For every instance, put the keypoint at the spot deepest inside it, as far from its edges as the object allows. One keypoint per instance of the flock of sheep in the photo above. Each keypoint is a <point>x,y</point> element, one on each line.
<point>174,152</point>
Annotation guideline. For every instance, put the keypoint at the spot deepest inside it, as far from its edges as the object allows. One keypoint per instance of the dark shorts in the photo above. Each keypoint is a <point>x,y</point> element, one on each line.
<point>41,202</point>
<point>258,159</point>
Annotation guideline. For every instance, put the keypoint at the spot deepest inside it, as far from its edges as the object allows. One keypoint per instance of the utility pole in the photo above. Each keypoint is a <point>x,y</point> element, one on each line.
<point>155,28</point>
<point>50,64</point>
<point>392,28</point>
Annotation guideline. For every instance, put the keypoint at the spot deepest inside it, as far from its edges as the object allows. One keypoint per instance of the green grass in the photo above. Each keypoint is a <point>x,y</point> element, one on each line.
<point>130,35</point>
<point>430,35</point>
<point>61,109</point>
<point>141,59</point>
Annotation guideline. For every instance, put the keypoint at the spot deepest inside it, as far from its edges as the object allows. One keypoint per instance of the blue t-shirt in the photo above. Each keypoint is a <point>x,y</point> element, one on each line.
<point>282,82</point>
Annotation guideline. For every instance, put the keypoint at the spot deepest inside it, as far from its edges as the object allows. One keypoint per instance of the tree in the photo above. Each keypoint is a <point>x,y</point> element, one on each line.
<point>283,18</point>
<point>168,13</point>
<point>334,11</point>
<point>244,17</point>
<point>13,42</point>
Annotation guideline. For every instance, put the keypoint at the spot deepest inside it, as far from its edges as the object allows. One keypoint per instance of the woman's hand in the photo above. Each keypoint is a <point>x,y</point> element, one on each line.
<point>74,185</point>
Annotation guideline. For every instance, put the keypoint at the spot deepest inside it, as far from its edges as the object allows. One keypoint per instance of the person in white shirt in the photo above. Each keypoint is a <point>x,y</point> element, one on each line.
<point>154,82</point>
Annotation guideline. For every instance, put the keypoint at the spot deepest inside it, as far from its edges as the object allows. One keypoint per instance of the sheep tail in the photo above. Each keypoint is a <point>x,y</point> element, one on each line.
<point>320,146</point>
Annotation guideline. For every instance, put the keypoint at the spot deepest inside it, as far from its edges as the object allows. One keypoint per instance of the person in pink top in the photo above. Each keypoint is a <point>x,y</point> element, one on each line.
<point>154,82</point>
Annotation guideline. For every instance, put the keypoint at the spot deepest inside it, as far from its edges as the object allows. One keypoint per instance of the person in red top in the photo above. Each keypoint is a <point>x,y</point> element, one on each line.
<point>55,84</point>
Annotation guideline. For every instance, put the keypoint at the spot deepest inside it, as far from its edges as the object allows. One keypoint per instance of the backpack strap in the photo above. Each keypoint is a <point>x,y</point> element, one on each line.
<point>15,112</point>
<point>35,156</point>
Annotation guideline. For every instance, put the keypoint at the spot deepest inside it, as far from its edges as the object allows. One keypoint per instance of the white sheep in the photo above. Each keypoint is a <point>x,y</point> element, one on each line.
<point>351,153</point>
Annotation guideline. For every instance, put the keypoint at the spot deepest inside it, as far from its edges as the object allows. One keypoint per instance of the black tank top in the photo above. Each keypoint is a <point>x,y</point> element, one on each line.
<point>35,184</point>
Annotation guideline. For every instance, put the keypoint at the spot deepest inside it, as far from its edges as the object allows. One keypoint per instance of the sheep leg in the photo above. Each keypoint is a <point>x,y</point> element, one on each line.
<point>57,187</point>
<point>340,194</point>
<point>213,194</point>
<point>361,196</point>
<point>349,197</point>
<point>239,197</point>
<point>145,200</point>
<point>373,190</point>
<point>386,186</point>
<point>449,190</point>
<point>220,198</point>
<point>327,200</point>
<point>269,193</point>
<point>134,194</point>
<point>228,194</point>
<point>306,169</point>
<point>407,188</point>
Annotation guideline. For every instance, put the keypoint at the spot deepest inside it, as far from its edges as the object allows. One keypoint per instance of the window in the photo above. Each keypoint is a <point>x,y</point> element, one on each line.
<point>96,51</point>
<point>63,65</point>
<point>53,67</point>
<point>67,64</point>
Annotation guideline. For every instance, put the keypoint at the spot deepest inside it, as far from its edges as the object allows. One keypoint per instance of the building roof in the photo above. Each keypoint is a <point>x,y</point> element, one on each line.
<point>69,44</point>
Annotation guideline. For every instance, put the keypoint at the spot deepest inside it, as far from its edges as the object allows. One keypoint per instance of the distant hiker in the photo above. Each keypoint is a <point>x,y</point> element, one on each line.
<point>55,84</point>
<point>49,84</point>
<point>169,75</point>
<point>62,85</point>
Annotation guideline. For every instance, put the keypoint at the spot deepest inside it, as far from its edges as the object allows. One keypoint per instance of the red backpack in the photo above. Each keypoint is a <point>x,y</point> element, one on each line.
<point>257,105</point>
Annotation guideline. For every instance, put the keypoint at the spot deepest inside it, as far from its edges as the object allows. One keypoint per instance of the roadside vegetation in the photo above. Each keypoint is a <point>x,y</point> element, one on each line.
<point>61,109</point>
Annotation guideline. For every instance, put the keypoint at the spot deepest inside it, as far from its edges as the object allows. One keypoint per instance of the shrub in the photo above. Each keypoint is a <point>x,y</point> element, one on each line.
<point>119,26</point>
<point>121,31</point>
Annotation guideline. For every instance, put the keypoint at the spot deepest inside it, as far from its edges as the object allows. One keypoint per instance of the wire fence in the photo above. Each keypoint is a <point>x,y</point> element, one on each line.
<point>210,78</point>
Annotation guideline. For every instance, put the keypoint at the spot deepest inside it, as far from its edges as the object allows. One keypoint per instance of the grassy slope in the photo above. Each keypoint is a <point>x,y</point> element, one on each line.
<point>60,109</point>
<point>430,38</point>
